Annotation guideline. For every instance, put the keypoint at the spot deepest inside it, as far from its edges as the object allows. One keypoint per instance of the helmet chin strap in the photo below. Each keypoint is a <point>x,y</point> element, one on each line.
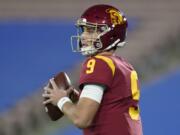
<point>122,44</point>
<point>116,43</point>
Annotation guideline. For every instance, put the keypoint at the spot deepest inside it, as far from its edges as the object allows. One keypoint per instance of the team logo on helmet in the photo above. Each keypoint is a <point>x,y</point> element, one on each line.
<point>116,17</point>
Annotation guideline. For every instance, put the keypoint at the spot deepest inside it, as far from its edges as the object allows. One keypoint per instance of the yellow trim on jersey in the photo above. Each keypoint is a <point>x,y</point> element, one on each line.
<point>134,85</point>
<point>108,61</point>
<point>134,113</point>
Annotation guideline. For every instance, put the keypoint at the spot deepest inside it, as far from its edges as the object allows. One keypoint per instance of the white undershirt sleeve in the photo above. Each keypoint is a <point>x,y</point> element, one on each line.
<point>93,91</point>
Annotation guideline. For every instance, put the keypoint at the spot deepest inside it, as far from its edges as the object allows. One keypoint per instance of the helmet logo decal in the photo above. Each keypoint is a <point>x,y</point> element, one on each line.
<point>116,17</point>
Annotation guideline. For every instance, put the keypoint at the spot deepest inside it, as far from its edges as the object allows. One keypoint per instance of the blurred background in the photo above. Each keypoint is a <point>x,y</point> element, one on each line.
<point>35,45</point>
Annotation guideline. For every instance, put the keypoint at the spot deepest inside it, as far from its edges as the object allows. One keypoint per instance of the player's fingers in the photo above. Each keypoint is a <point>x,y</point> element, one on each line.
<point>46,95</point>
<point>47,90</point>
<point>69,91</point>
<point>53,83</point>
<point>76,92</point>
<point>48,85</point>
<point>47,101</point>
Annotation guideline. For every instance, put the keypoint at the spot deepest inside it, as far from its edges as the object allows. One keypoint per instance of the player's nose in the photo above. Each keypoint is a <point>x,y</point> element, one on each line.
<point>85,38</point>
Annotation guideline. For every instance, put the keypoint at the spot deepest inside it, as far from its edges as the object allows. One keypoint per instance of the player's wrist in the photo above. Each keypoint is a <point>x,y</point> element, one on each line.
<point>62,101</point>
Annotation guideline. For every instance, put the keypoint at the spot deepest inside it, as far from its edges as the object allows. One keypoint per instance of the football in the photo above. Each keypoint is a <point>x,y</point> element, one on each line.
<point>63,82</point>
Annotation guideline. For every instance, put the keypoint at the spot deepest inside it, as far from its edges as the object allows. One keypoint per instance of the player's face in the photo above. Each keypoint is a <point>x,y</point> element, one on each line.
<point>89,35</point>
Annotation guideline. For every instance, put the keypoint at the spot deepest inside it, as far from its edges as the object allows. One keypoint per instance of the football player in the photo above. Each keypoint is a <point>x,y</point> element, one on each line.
<point>109,96</point>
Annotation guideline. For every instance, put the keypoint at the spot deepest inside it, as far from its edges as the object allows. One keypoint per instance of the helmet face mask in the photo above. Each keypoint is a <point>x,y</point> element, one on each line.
<point>94,43</point>
<point>106,26</point>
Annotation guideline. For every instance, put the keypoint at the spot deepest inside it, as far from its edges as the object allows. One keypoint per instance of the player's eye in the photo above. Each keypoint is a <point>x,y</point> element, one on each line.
<point>88,29</point>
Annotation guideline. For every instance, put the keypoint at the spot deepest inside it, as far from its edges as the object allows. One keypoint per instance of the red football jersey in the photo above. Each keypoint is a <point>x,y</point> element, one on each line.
<point>119,111</point>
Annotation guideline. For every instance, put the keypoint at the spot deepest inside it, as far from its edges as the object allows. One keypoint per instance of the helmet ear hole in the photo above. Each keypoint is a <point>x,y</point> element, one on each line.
<point>112,38</point>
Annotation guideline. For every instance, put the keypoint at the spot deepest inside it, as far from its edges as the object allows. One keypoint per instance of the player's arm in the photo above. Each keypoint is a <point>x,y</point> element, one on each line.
<point>82,113</point>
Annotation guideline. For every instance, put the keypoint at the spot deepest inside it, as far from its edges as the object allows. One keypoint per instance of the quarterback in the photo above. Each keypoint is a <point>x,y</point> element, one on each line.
<point>109,88</point>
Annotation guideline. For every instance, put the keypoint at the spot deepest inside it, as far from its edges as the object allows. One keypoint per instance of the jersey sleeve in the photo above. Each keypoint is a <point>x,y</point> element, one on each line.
<point>97,70</point>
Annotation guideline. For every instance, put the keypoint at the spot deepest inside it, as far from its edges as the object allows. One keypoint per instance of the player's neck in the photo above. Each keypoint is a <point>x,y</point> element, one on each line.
<point>107,53</point>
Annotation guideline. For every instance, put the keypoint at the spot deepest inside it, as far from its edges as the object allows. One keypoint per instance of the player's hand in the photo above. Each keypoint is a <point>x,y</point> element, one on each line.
<point>54,94</point>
